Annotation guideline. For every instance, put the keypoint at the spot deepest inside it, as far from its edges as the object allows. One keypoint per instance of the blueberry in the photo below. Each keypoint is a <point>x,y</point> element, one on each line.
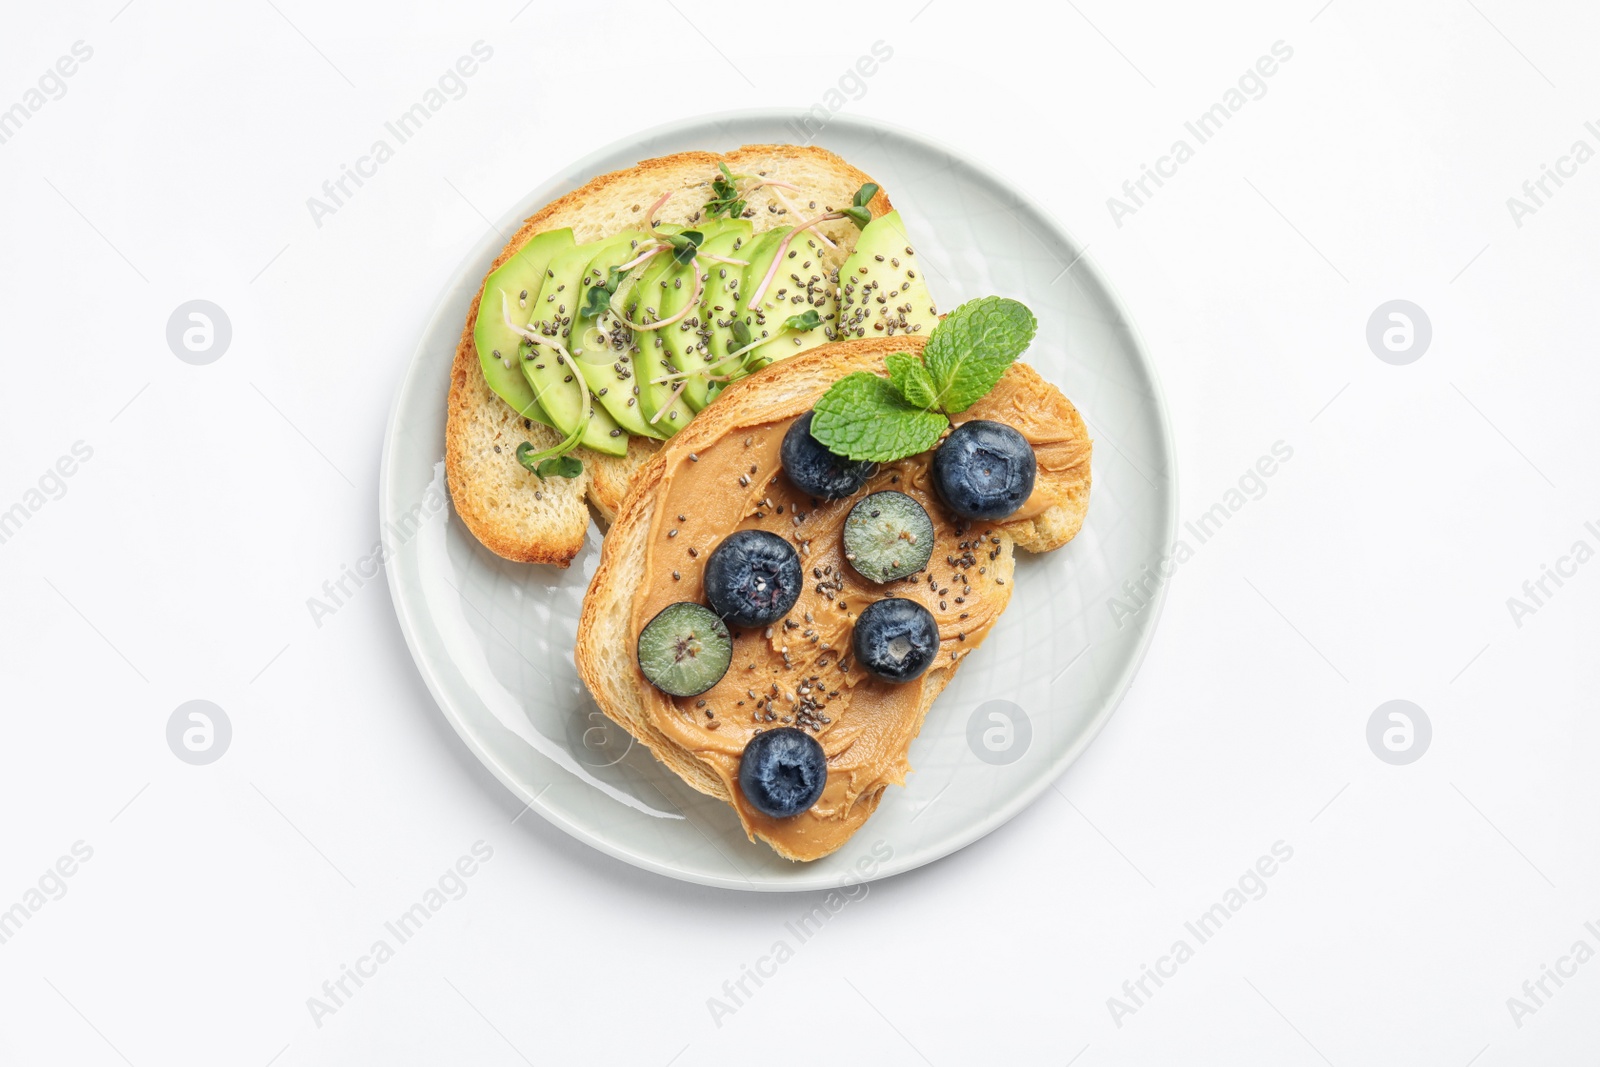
<point>817,472</point>
<point>782,771</point>
<point>984,470</point>
<point>887,535</point>
<point>684,650</point>
<point>895,639</point>
<point>753,578</point>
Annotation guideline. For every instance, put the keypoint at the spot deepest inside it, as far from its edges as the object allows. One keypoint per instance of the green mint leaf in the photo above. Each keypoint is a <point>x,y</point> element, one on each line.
<point>806,320</point>
<point>865,194</point>
<point>863,417</point>
<point>968,352</point>
<point>562,466</point>
<point>912,379</point>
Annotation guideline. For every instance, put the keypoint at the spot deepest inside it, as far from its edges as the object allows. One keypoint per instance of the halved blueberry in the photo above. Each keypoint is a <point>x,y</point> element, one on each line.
<point>753,578</point>
<point>895,639</point>
<point>887,535</point>
<point>685,649</point>
<point>814,470</point>
<point>782,772</point>
<point>984,470</point>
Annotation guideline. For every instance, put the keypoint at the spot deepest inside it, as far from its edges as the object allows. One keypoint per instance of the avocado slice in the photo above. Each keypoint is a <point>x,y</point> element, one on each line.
<point>881,288</point>
<point>603,345</point>
<point>688,340</point>
<point>549,373</point>
<point>803,283</point>
<point>512,290</point>
<point>721,299</point>
<point>661,402</point>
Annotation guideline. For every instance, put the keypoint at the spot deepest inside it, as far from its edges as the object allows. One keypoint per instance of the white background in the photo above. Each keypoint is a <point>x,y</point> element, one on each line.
<point>177,563</point>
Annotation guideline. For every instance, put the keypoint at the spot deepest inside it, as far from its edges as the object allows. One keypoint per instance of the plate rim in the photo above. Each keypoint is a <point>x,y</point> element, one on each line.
<point>588,167</point>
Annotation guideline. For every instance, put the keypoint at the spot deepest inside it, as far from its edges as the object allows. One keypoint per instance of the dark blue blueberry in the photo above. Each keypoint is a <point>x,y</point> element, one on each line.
<point>817,472</point>
<point>782,771</point>
<point>895,639</point>
<point>753,578</point>
<point>984,470</point>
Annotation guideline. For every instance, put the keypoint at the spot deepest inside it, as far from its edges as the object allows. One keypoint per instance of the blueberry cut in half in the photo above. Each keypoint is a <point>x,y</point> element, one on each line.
<point>753,578</point>
<point>895,639</point>
<point>984,470</point>
<point>887,535</point>
<point>782,772</point>
<point>685,649</point>
<point>814,470</point>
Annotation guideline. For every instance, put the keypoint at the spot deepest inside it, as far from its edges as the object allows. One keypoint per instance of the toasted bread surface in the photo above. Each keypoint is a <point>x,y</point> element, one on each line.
<point>608,625</point>
<point>509,509</point>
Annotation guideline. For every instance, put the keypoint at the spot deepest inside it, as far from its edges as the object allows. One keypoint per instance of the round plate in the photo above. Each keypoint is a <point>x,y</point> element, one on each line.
<point>493,639</point>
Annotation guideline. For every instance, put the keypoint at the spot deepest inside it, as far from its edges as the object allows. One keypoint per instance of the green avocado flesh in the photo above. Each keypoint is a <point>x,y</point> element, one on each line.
<point>881,288</point>
<point>801,283</point>
<point>688,341</point>
<point>660,389</point>
<point>510,292</point>
<point>649,382</point>
<point>603,346</point>
<point>550,372</point>
<point>719,307</point>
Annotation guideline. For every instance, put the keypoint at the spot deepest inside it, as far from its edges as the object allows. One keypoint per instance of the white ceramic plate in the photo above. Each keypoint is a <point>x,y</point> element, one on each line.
<point>493,639</point>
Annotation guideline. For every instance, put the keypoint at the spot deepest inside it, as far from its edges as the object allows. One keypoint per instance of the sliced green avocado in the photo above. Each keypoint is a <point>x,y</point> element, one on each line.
<point>720,301</point>
<point>881,289</point>
<point>802,283</point>
<point>511,291</point>
<point>603,345</point>
<point>549,373</point>
<point>661,402</point>
<point>688,340</point>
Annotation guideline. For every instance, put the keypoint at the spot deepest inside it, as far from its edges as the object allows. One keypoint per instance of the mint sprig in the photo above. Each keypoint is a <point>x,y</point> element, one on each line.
<point>863,416</point>
<point>867,417</point>
<point>908,374</point>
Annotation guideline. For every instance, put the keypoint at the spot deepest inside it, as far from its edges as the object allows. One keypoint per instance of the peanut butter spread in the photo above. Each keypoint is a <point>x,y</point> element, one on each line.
<point>799,671</point>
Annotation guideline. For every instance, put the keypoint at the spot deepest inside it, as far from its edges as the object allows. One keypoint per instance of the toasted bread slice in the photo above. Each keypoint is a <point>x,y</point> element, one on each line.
<point>512,511</point>
<point>608,627</point>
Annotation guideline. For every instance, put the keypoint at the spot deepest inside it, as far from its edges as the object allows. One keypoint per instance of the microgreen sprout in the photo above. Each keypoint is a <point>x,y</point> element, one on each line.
<point>725,199</point>
<point>806,320</point>
<point>858,212</point>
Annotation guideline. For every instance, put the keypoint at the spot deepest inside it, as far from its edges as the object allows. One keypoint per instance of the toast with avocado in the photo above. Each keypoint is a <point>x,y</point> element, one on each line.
<point>774,613</point>
<point>619,311</point>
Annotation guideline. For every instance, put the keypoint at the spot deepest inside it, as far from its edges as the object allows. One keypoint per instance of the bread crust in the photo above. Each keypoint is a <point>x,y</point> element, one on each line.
<point>605,642</point>
<point>488,487</point>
